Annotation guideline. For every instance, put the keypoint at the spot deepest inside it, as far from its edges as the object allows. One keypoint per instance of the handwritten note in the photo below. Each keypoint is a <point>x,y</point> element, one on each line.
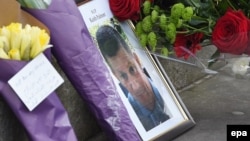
<point>35,81</point>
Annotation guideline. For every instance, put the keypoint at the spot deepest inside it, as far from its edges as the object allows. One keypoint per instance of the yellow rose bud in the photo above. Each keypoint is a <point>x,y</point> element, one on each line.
<point>14,54</point>
<point>15,34</point>
<point>25,47</point>
<point>39,41</point>
<point>4,43</point>
<point>44,38</point>
<point>35,48</point>
<point>5,32</point>
<point>27,28</point>
<point>3,54</point>
<point>15,40</point>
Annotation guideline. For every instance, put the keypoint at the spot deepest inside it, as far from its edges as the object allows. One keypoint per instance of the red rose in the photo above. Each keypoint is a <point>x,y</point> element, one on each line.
<point>247,51</point>
<point>125,9</point>
<point>230,34</point>
<point>184,45</point>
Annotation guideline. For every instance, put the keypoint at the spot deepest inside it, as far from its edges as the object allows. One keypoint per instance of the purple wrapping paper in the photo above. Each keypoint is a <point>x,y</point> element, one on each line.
<point>47,122</point>
<point>81,61</point>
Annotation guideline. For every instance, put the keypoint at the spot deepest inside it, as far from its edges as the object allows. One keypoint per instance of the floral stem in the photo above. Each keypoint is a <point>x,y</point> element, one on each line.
<point>217,12</point>
<point>195,29</point>
<point>228,1</point>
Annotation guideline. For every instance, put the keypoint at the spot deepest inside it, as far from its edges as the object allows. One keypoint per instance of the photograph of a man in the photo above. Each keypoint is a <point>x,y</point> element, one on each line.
<point>127,68</point>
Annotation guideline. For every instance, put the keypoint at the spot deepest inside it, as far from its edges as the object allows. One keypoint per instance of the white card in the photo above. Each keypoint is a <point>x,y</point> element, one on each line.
<point>34,82</point>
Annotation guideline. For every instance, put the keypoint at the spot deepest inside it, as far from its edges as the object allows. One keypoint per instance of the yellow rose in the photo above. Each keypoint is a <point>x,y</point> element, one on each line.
<point>4,43</point>
<point>5,32</point>
<point>15,34</point>
<point>25,47</point>
<point>14,54</point>
<point>44,38</point>
<point>3,54</point>
<point>22,43</point>
<point>39,41</point>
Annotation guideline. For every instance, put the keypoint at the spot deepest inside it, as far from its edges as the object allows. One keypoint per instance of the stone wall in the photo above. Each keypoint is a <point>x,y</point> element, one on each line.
<point>183,74</point>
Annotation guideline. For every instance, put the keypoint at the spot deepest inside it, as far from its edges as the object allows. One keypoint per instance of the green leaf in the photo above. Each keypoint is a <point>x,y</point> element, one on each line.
<point>195,3</point>
<point>198,20</point>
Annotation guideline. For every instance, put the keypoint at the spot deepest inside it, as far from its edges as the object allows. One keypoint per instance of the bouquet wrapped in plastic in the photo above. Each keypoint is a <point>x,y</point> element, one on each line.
<point>181,29</point>
<point>22,38</point>
<point>81,61</point>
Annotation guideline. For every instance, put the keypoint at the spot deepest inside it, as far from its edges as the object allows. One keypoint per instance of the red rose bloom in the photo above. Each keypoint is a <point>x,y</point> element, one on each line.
<point>230,34</point>
<point>184,44</point>
<point>125,9</point>
<point>247,51</point>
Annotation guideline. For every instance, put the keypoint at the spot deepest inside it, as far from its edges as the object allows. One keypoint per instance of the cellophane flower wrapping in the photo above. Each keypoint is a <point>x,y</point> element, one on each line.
<point>49,120</point>
<point>180,29</point>
<point>236,66</point>
<point>81,61</point>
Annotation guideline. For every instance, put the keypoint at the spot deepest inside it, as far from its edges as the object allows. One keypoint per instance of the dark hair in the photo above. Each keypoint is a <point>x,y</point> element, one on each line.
<point>110,41</point>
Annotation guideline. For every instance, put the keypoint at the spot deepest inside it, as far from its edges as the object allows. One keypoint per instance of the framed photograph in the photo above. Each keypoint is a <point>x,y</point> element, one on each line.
<point>152,102</point>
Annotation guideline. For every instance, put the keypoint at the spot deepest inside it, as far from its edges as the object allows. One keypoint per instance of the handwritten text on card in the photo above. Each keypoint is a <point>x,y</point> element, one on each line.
<point>35,81</point>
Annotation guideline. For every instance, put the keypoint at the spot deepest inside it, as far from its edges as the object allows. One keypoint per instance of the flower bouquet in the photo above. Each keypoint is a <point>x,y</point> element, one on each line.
<point>181,28</point>
<point>81,61</point>
<point>22,38</point>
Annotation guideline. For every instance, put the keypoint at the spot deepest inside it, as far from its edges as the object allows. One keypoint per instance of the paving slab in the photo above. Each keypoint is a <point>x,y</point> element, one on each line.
<point>215,102</point>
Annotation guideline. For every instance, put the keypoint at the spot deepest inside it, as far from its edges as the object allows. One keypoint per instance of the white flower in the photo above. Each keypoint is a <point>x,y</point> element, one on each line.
<point>241,65</point>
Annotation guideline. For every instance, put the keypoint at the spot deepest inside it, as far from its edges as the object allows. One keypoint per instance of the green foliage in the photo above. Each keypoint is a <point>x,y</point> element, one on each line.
<point>147,24</point>
<point>146,7</point>
<point>154,16</point>
<point>167,18</point>
<point>152,40</point>
<point>177,10</point>
<point>166,22</point>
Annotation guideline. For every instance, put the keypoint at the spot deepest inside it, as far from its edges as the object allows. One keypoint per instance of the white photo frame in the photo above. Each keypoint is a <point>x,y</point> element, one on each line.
<point>96,13</point>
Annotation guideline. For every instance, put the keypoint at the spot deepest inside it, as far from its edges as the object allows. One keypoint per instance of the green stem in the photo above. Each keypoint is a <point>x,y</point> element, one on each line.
<point>199,18</point>
<point>196,29</point>
<point>228,1</point>
<point>182,32</point>
<point>216,11</point>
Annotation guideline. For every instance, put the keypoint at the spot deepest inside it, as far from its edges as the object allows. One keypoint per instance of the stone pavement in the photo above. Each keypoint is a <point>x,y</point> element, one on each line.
<point>215,102</point>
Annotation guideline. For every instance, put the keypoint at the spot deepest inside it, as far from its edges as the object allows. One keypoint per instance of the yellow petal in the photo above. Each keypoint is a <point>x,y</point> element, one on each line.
<point>15,34</point>
<point>39,41</point>
<point>14,54</point>
<point>4,43</point>
<point>44,38</point>
<point>35,48</point>
<point>3,54</point>
<point>5,32</point>
<point>27,28</point>
<point>15,39</point>
<point>15,27</point>
<point>1,42</point>
<point>25,47</point>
